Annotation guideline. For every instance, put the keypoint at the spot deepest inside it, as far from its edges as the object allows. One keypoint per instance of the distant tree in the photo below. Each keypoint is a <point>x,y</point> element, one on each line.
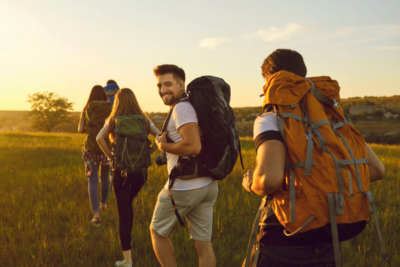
<point>363,103</point>
<point>378,114</point>
<point>49,111</point>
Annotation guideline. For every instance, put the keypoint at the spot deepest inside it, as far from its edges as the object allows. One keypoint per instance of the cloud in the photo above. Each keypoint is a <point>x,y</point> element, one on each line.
<point>273,34</point>
<point>327,36</point>
<point>212,42</point>
<point>387,48</point>
<point>295,34</point>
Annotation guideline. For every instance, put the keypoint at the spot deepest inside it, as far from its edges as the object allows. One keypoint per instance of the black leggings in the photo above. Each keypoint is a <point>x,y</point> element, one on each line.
<point>124,194</point>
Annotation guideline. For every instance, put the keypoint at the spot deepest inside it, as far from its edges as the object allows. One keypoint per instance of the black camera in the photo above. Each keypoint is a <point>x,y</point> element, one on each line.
<point>162,159</point>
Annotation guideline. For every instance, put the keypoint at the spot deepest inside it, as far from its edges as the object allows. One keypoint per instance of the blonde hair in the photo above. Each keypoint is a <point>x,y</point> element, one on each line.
<point>125,102</point>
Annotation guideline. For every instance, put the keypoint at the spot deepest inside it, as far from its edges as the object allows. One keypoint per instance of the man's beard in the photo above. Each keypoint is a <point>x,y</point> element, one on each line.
<point>170,101</point>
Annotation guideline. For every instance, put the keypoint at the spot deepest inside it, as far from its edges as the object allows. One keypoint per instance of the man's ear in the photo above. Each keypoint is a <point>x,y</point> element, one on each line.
<point>182,84</point>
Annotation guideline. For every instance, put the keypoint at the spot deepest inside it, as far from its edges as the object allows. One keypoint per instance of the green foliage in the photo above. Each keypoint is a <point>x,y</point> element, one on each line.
<point>156,116</point>
<point>363,103</point>
<point>45,211</point>
<point>49,111</point>
<point>382,138</point>
<point>246,114</point>
<point>363,115</point>
<point>354,117</point>
<point>250,117</point>
<point>392,102</point>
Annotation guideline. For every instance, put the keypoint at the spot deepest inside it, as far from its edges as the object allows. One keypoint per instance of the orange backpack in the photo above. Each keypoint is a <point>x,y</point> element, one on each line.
<point>325,192</point>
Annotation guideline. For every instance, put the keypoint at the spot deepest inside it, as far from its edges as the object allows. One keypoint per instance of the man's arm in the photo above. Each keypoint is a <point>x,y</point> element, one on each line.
<point>269,171</point>
<point>189,146</point>
<point>376,168</point>
<point>154,132</point>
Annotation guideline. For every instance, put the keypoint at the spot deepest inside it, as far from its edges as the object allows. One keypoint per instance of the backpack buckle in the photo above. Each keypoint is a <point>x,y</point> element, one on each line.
<point>335,104</point>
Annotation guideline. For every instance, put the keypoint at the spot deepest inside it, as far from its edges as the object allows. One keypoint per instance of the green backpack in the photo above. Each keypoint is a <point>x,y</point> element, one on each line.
<point>96,114</point>
<point>131,146</point>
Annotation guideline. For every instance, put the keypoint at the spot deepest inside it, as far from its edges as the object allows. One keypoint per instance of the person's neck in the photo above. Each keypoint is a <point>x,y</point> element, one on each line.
<point>183,95</point>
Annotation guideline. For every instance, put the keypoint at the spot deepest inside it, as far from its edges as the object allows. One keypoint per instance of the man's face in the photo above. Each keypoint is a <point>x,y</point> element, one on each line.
<point>170,89</point>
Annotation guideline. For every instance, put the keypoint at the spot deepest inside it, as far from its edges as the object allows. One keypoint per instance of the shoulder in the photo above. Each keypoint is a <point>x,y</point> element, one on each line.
<point>183,107</point>
<point>183,113</point>
<point>265,122</point>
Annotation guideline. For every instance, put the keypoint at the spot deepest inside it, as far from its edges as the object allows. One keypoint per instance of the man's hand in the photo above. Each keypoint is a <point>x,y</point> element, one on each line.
<point>248,180</point>
<point>161,138</point>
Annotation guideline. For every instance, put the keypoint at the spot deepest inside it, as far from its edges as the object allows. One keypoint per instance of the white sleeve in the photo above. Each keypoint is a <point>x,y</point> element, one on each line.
<point>183,113</point>
<point>266,122</point>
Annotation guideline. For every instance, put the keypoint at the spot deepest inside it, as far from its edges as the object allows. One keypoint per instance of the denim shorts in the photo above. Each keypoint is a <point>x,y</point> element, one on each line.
<point>305,256</point>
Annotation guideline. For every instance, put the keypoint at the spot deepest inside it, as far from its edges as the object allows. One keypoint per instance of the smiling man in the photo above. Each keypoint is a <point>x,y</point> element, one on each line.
<point>193,198</point>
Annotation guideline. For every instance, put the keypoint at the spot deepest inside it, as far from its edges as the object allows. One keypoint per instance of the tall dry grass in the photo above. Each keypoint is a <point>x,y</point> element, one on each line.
<point>45,210</point>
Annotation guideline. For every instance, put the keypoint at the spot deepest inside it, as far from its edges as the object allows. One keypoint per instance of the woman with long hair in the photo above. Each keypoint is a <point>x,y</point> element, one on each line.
<point>92,155</point>
<point>125,188</point>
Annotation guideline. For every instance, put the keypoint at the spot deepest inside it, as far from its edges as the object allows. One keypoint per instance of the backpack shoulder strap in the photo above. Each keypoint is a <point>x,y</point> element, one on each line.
<point>184,98</point>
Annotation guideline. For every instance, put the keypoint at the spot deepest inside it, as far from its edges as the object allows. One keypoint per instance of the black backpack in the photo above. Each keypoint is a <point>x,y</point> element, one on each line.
<point>220,143</point>
<point>210,97</point>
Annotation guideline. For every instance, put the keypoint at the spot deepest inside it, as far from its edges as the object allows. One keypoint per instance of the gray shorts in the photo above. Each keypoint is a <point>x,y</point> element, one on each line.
<point>196,205</point>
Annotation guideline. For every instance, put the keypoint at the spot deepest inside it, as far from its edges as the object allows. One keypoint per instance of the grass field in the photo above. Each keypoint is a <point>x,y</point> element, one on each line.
<point>45,210</point>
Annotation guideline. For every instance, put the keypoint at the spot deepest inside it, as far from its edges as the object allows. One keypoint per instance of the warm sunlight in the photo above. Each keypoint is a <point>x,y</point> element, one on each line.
<point>199,133</point>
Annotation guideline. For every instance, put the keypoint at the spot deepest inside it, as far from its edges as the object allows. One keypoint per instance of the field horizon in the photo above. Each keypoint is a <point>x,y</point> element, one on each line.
<point>45,210</point>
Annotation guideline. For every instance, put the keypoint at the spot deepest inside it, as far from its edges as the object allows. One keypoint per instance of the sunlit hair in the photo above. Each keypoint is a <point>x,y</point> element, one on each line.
<point>125,101</point>
<point>178,73</point>
<point>284,59</point>
<point>96,94</point>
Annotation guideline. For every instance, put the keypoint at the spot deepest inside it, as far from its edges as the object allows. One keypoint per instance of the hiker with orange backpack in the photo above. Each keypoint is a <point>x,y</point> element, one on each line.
<point>313,167</point>
<point>96,110</point>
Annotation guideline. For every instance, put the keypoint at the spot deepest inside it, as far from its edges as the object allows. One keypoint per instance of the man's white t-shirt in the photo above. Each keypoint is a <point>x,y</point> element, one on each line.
<point>182,114</point>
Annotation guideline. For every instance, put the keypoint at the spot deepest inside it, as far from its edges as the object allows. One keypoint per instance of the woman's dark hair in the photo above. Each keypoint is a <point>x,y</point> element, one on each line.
<point>284,59</point>
<point>97,94</point>
<point>179,73</point>
<point>111,81</point>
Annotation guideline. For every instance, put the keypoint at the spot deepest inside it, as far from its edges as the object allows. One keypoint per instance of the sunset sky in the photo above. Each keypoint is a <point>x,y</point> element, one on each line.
<point>67,47</point>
